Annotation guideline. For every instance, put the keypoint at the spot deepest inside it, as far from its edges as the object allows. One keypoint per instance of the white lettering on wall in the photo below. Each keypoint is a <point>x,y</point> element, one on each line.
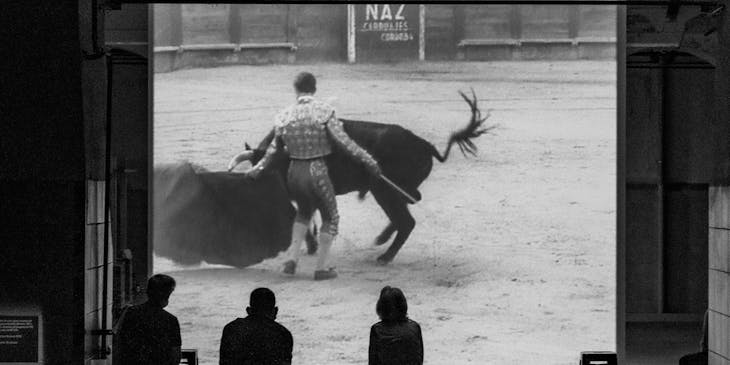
<point>371,12</point>
<point>386,15</point>
<point>399,14</point>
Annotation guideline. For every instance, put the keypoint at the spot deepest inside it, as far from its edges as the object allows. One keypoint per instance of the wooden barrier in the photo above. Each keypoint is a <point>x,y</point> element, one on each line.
<point>517,32</point>
<point>205,35</point>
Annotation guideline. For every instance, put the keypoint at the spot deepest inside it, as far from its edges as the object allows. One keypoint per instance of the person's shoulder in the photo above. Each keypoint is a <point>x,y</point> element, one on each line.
<point>134,307</point>
<point>323,106</point>
<point>169,316</point>
<point>139,305</point>
<point>319,103</point>
<point>284,115</point>
<point>277,329</point>
<point>134,310</point>
<point>322,110</point>
<point>413,324</point>
<point>281,328</point>
<point>238,322</point>
<point>414,327</point>
<point>237,325</point>
<point>377,325</point>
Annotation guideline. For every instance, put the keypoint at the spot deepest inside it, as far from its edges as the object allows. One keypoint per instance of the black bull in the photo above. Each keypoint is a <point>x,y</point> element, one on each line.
<point>226,218</point>
<point>404,158</point>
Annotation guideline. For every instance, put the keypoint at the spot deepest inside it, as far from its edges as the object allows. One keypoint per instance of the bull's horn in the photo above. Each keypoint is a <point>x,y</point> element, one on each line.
<point>243,156</point>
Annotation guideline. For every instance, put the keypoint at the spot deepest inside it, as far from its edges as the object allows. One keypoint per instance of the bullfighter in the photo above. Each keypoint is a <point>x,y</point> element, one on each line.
<point>309,130</point>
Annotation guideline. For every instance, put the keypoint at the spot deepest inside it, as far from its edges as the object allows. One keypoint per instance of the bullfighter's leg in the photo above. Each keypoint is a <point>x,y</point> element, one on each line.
<point>298,234</point>
<point>397,211</point>
<point>299,230</point>
<point>384,236</point>
<point>327,206</point>
<point>299,183</point>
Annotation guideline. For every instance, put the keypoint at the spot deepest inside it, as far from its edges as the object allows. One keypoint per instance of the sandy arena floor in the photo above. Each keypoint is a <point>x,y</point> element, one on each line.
<point>513,257</point>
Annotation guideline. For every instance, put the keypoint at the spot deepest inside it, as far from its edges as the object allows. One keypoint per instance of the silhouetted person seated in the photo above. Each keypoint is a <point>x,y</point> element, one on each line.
<point>148,334</point>
<point>395,340</point>
<point>698,358</point>
<point>257,339</point>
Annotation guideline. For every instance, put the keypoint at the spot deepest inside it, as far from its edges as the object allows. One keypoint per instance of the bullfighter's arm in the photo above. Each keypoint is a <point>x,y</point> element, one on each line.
<point>340,137</point>
<point>256,170</point>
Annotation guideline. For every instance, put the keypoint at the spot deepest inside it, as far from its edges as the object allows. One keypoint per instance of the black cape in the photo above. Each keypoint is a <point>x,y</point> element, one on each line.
<point>219,217</point>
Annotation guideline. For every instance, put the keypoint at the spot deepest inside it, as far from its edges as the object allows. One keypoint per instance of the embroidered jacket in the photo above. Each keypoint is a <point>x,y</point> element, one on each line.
<point>307,129</point>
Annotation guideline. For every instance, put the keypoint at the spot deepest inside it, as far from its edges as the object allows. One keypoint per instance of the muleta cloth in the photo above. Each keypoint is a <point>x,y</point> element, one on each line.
<point>219,217</point>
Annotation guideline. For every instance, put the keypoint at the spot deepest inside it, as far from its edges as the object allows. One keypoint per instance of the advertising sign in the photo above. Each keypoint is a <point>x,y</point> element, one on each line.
<point>387,32</point>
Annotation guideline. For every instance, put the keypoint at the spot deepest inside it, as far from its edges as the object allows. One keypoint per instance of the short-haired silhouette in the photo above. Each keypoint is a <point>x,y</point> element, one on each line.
<point>148,334</point>
<point>305,83</point>
<point>257,339</point>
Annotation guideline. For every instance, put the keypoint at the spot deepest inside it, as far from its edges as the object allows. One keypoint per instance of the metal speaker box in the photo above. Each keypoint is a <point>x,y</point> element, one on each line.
<point>598,358</point>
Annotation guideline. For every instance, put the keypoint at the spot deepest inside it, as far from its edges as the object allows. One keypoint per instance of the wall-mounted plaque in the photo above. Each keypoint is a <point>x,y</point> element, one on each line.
<point>19,339</point>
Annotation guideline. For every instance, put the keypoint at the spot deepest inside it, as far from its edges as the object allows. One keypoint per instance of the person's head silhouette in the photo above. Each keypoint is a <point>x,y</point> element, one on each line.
<point>392,305</point>
<point>262,303</point>
<point>159,288</point>
<point>305,84</point>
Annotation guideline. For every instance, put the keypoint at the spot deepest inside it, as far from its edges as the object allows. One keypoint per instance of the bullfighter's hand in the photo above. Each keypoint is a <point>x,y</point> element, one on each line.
<point>253,173</point>
<point>374,169</point>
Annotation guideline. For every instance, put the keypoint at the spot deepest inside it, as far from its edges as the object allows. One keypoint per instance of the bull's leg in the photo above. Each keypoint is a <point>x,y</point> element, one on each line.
<point>397,211</point>
<point>385,235</point>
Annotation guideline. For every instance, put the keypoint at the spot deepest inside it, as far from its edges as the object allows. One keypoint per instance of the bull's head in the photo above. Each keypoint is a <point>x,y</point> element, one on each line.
<point>246,155</point>
<point>254,155</point>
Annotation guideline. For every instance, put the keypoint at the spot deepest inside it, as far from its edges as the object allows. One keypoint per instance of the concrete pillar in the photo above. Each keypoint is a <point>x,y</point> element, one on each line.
<point>722,98</point>
<point>719,275</point>
<point>719,195</point>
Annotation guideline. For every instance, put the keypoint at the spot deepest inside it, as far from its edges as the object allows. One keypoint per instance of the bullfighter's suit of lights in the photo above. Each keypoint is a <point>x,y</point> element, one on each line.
<point>307,130</point>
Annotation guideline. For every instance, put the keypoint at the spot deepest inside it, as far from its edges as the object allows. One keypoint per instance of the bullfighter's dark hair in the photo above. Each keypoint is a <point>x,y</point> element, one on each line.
<point>262,299</point>
<point>159,287</point>
<point>305,83</point>
<point>392,305</point>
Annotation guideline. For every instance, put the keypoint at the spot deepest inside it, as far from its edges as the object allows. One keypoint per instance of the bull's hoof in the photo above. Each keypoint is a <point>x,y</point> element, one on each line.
<point>290,267</point>
<point>325,274</point>
<point>384,260</point>
<point>379,241</point>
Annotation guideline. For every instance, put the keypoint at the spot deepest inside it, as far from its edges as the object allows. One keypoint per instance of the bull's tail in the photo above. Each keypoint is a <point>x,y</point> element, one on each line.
<point>435,153</point>
<point>463,137</point>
